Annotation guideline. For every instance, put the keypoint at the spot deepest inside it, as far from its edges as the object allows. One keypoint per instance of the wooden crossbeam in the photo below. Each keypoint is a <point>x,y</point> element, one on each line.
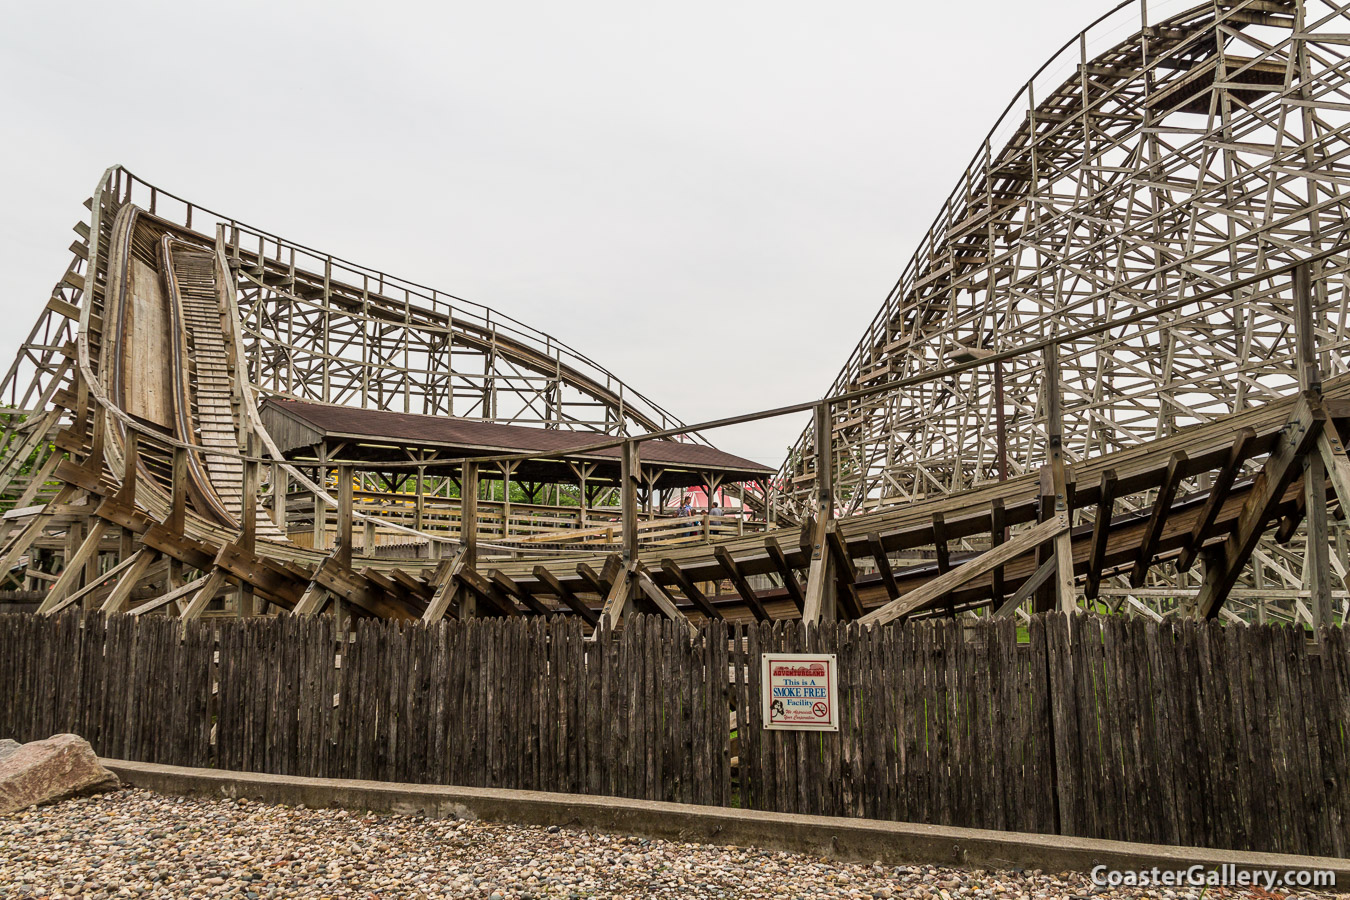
<point>413,586</point>
<point>1218,493</point>
<point>262,573</point>
<point>511,588</point>
<point>209,585</point>
<point>74,567</point>
<point>728,564</point>
<point>126,566</point>
<point>567,596</point>
<point>663,601</point>
<point>127,581</point>
<point>193,554</point>
<point>785,571</point>
<point>1101,528</point>
<point>594,580</point>
<point>168,597</point>
<point>968,571</point>
<point>1042,574</point>
<point>1162,505</point>
<point>486,590</point>
<point>1281,467</point>
<point>690,590</point>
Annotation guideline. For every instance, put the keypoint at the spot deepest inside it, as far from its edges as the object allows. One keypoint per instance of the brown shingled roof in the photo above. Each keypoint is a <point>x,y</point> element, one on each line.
<point>466,437</point>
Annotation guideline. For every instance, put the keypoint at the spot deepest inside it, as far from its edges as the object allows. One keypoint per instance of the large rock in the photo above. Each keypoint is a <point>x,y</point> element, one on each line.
<point>7,747</point>
<point>64,765</point>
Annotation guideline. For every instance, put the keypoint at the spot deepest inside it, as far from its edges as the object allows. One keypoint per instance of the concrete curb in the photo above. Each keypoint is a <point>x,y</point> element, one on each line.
<point>848,840</point>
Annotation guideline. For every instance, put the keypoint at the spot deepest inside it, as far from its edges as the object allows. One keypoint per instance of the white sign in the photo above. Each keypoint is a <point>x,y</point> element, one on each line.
<point>801,691</point>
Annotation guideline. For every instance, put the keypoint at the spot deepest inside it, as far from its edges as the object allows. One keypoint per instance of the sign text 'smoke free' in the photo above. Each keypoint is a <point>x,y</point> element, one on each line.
<point>801,691</point>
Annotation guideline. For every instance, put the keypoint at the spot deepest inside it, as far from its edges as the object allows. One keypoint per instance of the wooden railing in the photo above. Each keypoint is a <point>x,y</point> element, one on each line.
<point>516,524</point>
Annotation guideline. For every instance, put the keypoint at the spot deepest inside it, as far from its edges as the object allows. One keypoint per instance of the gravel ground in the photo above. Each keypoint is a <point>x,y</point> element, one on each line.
<point>135,843</point>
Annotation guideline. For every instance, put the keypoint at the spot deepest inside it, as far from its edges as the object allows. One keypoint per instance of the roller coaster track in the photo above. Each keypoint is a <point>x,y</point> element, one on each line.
<point>1114,374</point>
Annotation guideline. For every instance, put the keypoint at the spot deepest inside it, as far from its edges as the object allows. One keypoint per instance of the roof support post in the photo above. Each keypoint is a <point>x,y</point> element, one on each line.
<point>820,586</point>
<point>281,489</point>
<point>630,470</point>
<point>343,551</point>
<point>420,503</point>
<point>468,530</point>
<point>320,540</point>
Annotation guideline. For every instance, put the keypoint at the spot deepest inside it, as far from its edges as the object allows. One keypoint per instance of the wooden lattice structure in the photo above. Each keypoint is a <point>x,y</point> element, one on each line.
<point>1114,374</point>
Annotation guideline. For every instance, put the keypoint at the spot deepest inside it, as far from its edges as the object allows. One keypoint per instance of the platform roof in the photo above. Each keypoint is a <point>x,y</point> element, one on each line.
<point>372,436</point>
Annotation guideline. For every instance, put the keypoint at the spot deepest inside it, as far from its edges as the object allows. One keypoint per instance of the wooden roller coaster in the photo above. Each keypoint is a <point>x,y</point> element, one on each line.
<point>1114,374</point>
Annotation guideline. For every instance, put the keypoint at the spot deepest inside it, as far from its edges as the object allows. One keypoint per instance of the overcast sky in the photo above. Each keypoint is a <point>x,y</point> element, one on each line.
<point>710,199</point>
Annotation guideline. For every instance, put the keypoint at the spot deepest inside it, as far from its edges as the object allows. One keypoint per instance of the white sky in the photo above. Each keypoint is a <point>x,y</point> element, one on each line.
<point>709,199</point>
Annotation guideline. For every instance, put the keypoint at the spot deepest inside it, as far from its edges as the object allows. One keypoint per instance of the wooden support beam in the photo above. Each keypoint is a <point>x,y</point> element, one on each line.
<point>883,564</point>
<point>1318,564</point>
<point>611,570</point>
<point>1337,464</point>
<point>1042,574</point>
<point>566,596</point>
<point>344,519</point>
<point>127,580</point>
<point>445,582</point>
<point>820,582</point>
<point>74,568</point>
<point>178,498</point>
<point>1045,600</point>
<point>728,564</point>
<point>345,585</point>
<point>967,571</point>
<point>281,489</point>
<point>260,572</point>
<point>846,573</point>
<point>1289,522</point>
<point>944,559</point>
<point>252,483</point>
<point>664,602</point>
<point>617,599</point>
<point>998,532</point>
<point>1162,506</point>
<point>1218,493</point>
<point>192,587</point>
<point>210,586</point>
<point>594,580</point>
<point>1059,480</point>
<point>414,586</point>
<point>121,569</point>
<point>507,585</point>
<point>630,473</point>
<point>487,591</point>
<point>1305,343</point>
<point>690,590</point>
<point>313,600</point>
<point>1280,469</point>
<point>1101,529</point>
<point>785,572</point>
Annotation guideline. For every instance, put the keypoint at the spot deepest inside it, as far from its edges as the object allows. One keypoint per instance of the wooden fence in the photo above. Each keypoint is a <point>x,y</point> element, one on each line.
<point>1180,733</point>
